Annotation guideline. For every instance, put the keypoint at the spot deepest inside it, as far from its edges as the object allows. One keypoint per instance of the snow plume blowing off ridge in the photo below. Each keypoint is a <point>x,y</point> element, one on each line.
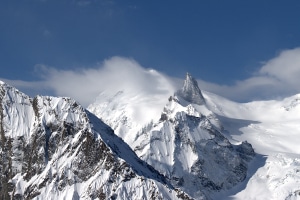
<point>113,75</point>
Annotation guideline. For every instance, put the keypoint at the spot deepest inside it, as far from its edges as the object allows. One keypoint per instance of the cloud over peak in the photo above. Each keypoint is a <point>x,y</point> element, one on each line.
<point>113,75</point>
<point>277,78</point>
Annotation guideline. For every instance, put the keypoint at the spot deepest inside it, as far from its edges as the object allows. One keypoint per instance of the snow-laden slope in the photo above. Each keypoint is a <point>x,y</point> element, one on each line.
<point>273,129</point>
<point>51,148</point>
<point>127,112</point>
<point>129,108</point>
<point>184,143</point>
<point>187,148</point>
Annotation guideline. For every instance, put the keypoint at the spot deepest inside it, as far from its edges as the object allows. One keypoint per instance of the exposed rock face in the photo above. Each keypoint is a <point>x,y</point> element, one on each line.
<point>190,91</point>
<point>191,151</point>
<point>51,148</point>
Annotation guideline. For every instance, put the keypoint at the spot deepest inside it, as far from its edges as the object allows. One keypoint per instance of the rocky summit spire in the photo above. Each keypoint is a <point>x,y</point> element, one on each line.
<point>190,91</point>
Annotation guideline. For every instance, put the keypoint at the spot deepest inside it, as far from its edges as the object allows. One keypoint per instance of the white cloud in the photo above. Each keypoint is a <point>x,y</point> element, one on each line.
<point>278,77</point>
<point>285,68</point>
<point>113,75</point>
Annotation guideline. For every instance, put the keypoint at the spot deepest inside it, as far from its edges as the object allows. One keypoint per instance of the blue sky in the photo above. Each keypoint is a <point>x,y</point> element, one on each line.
<point>220,42</point>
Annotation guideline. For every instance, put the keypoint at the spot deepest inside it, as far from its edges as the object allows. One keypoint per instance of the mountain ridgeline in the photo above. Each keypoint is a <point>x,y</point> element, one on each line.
<point>52,148</point>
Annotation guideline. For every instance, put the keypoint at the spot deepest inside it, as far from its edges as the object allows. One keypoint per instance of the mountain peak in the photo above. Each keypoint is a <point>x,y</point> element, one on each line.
<point>190,91</point>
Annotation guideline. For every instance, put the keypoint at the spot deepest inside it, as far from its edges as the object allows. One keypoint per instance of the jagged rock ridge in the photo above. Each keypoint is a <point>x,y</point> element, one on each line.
<point>51,148</point>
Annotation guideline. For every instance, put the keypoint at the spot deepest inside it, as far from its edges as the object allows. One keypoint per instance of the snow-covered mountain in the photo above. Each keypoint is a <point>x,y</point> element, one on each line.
<point>51,148</point>
<point>187,146</point>
<point>170,142</point>
<point>185,143</point>
<point>174,145</point>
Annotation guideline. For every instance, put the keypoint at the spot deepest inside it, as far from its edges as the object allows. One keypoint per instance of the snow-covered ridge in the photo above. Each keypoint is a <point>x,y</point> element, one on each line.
<point>51,148</point>
<point>127,112</point>
<point>271,110</point>
<point>191,151</point>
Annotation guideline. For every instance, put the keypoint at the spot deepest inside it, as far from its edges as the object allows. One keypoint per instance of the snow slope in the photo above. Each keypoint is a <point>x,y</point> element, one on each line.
<point>273,129</point>
<point>127,112</point>
<point>129,108</point>
<point>184,142</point>
<point>188,149</point>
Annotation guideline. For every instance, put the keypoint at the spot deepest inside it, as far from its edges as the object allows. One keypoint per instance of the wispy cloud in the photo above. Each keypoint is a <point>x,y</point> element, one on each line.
<point>278,77</point>
<point>284,68</point>
<point>113,75</point>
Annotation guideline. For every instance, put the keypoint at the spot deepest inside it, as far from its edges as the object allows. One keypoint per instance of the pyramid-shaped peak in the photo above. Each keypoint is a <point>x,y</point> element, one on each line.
<point>190,80</point>
<point>190,91</point>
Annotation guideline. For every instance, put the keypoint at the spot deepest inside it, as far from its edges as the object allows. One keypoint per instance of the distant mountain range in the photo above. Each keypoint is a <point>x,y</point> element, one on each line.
<point>199,146</point>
